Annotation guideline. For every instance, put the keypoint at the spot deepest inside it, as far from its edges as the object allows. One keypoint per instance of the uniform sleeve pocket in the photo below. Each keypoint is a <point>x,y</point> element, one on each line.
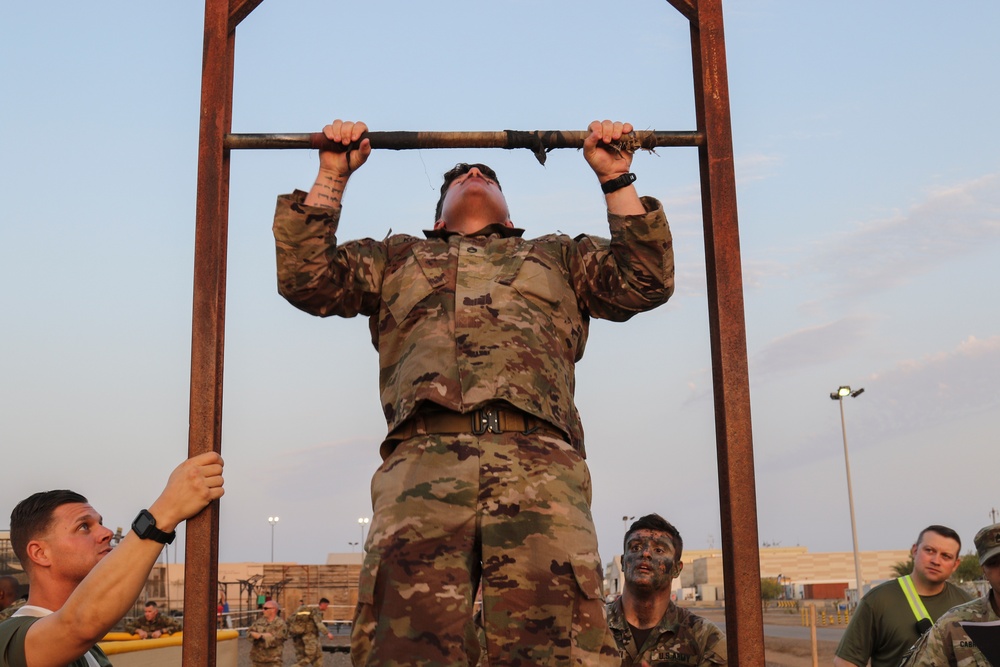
<point>587,571</point>
<point>366,583</point>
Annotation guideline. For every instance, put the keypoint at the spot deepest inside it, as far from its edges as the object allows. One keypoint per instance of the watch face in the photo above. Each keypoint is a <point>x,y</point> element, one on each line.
<point>143,523</point>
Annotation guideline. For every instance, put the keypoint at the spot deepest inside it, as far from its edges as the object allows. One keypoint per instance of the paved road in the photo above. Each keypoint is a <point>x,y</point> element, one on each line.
<point>827,634</point>
<point>789,630</point>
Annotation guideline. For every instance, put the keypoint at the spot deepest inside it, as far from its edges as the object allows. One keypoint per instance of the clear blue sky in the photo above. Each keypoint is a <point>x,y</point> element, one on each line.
<point>866,148</point>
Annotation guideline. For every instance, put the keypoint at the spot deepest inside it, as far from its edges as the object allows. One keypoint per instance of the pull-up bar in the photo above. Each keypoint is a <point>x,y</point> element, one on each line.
<point>538,141</point>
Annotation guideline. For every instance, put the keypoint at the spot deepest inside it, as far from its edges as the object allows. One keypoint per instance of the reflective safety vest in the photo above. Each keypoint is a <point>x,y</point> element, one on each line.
<point>916,604</point>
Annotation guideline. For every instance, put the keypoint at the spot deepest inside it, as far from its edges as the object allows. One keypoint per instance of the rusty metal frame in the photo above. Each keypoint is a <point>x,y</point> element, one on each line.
<point>737,494</point>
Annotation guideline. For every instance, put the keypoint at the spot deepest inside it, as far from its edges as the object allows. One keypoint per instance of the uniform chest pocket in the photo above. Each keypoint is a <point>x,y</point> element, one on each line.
<point>539,280</point>
<point>409,281</point>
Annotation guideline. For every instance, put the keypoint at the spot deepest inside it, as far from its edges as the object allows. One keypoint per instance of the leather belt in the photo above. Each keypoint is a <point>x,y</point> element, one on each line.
<point>489,419</point>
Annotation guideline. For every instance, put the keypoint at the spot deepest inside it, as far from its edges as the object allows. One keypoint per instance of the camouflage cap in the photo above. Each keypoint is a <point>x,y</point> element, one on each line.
<point>988,542</point>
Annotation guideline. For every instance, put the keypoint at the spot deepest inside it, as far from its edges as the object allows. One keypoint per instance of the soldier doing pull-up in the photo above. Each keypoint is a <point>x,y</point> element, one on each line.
<point>478,332</point>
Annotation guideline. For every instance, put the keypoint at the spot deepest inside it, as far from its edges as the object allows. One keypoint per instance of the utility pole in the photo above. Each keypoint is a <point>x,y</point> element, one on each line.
<point>839,396</point>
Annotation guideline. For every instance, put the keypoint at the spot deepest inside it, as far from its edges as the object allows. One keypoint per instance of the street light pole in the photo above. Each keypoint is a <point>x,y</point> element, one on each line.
<point>272,520</point>
<point>839,395</point>
<point>625,520</point>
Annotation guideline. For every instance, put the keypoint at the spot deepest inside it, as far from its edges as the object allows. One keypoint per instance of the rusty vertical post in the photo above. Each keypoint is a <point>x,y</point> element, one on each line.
<point>727,329</point>
<point>208,326</point>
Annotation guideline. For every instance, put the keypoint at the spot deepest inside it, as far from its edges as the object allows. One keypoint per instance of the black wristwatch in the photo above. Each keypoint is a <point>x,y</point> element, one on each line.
<point>618,183</point>
<point>145,527</point>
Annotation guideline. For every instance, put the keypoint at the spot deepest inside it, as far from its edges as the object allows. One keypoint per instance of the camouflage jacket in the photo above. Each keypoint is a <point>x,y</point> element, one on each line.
<point>462,321</point>
<point>162,622</point>
<point>947,644</point>
<point>313,624</point>
<point>7,612</point>
<point>681,638</point>
<point>268,650</point>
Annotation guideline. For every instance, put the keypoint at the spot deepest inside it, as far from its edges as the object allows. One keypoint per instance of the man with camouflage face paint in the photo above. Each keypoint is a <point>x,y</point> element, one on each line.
<point>478,331</point>
<point>648,627</point>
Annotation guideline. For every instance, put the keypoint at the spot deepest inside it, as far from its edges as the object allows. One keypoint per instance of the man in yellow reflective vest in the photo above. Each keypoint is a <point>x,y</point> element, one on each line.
<point>893,615</point>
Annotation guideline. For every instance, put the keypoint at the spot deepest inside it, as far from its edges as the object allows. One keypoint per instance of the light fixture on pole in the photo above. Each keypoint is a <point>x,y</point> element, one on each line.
<point>363,521</point>
<point>272,520</point>
<point>839,395</point>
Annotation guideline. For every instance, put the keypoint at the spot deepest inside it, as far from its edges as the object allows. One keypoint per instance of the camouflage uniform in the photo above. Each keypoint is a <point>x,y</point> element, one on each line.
<point>681,638</point>
<point>162,622</point>
<point>305,634</point>
<point>268,651</point>
<point>462,322</point>
<point>947,644</point>
<point>6,612</point>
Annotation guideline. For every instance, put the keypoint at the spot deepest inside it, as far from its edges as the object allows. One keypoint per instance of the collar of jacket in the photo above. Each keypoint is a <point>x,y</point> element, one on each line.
<point>495,228</point>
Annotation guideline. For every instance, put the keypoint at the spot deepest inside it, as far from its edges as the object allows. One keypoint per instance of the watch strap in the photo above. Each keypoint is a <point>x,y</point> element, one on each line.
<point>618,183</point>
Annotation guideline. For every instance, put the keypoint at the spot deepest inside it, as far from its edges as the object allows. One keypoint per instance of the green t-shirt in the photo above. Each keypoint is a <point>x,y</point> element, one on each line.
<point>883,626</point>
<point>12,634</point>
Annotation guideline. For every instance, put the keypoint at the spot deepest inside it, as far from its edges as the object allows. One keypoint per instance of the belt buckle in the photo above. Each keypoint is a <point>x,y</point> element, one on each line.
<point>487,419</point>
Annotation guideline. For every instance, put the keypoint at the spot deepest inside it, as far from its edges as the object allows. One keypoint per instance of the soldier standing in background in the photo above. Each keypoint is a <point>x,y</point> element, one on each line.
<point>948,644</point>
<point>893,615</point>
<point>305,627</point>
<point>267,635</point>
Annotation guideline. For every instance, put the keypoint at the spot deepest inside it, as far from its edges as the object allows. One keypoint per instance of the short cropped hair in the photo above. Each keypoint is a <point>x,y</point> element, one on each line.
<point>324,600</point>
<point>152,603</point>
<point>661,525</point>
<point>455,172</point>
<point>32,517</point>
<point>9,585</point>
<point>943,531</point>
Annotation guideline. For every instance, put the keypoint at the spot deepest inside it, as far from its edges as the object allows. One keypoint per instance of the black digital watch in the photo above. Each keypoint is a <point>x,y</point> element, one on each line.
<point>145,527</point>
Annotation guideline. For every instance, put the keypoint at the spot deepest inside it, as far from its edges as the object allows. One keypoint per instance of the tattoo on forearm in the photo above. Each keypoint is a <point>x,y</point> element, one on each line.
<point>329,189</point>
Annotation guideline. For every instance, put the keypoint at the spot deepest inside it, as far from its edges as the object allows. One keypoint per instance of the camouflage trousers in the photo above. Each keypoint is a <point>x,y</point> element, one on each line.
<point>308,650</point>
<point>509,511</point>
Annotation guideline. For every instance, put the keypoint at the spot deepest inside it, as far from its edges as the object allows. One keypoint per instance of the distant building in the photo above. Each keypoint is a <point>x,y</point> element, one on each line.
<point>247,585</point>
<point>244,585</point>
<point>8,561</point>
<point>803,575</point>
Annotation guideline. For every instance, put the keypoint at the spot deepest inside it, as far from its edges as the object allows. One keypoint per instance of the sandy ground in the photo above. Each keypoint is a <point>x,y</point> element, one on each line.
<point>329,659</point>
<point>778,651</point>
